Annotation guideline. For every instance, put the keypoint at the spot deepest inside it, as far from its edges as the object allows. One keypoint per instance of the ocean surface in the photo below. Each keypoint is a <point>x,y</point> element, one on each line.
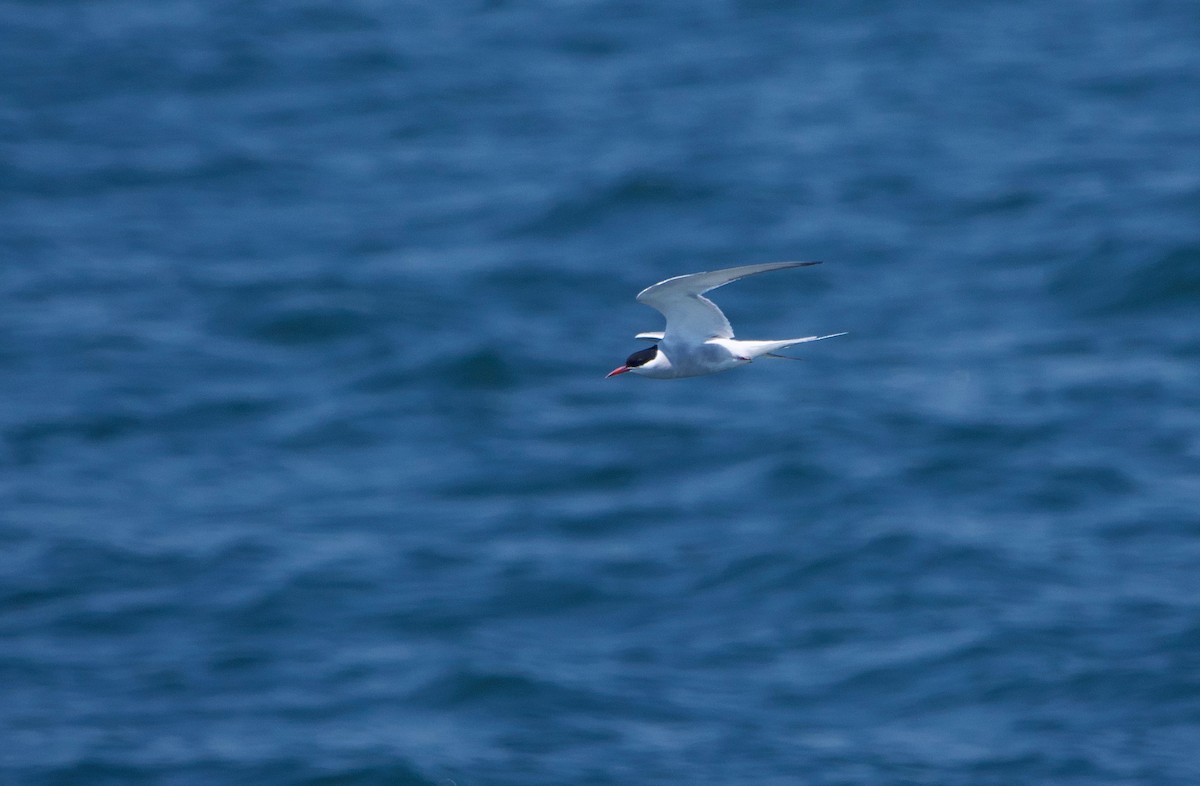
<point>309,472</point>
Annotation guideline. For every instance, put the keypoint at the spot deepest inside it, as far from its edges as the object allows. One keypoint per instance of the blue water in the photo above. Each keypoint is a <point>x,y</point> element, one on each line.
<point>309,474</point>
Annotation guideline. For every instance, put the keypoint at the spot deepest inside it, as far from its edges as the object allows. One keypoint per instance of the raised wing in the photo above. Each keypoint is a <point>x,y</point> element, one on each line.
<point>691,316</point>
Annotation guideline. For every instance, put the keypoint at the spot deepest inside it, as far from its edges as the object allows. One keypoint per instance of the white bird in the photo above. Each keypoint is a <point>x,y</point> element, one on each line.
<point>698,338</point>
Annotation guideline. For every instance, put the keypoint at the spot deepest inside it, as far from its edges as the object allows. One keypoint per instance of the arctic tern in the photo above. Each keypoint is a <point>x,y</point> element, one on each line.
<point>698,338</point>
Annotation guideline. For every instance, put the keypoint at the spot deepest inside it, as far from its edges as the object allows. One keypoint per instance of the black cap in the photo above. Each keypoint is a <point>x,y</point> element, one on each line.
<point>642,357</point>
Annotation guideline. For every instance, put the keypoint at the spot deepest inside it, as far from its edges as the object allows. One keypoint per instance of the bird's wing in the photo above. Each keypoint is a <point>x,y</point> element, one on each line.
<point>651,335</point>
<point>691,316</point>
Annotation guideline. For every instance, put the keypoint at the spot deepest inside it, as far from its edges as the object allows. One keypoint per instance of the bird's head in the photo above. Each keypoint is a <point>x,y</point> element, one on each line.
<point>643,361</point>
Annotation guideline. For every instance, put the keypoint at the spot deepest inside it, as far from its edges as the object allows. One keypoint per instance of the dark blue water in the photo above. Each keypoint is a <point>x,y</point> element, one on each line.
<point>309,475</point>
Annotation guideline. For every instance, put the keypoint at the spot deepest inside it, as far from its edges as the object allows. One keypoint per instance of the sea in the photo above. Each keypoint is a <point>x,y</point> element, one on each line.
<point>310,473</point>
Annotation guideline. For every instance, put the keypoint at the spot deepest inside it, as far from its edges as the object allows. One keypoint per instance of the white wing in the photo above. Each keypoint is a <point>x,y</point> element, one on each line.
<point>692,317</point>
<point>651,335</point>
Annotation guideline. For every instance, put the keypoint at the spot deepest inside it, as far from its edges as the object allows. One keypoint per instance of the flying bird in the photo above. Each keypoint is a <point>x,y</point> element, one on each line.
<point>698,338</point>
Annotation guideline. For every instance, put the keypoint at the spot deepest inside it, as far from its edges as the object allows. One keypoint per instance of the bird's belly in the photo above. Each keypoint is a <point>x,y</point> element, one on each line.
<point>697,360</point>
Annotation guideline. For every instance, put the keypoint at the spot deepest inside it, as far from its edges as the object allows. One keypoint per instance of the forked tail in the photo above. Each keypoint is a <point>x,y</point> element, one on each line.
<point>769,348</point>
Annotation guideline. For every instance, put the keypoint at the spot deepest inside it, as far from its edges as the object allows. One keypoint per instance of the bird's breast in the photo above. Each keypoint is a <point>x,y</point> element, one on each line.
<point>693,360</point>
